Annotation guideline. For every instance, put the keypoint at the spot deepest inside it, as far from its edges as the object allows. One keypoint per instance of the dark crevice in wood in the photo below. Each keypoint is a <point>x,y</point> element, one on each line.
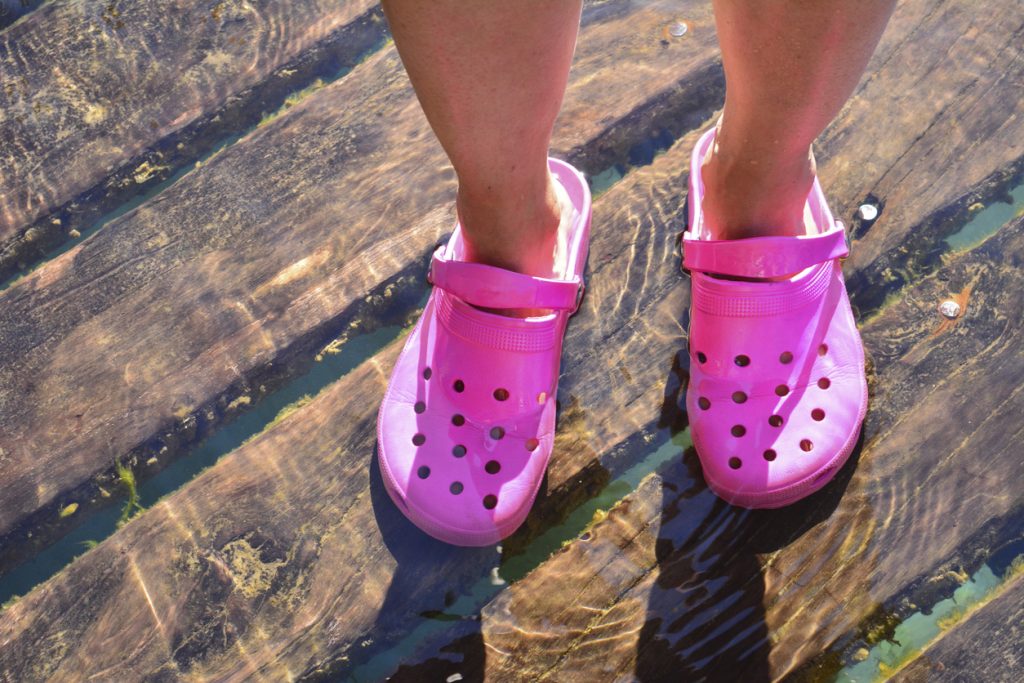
<point>13,10</point>
<point>938,583</point>
<point>666,119</point>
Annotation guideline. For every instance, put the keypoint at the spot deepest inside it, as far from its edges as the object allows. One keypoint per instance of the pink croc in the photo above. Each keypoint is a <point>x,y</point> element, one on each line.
<point>777,390</point>
<point>467,423</point>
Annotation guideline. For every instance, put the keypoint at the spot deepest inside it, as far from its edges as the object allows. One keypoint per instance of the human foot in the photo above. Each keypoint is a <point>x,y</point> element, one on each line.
<point>532,242</point>
<point>467,424</point>
<point>754,190</point>
<point>777,391</point>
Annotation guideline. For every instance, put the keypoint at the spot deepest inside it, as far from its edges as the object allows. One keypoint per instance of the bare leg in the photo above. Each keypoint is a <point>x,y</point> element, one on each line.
<point>790,65</point>
<point>490,75</point>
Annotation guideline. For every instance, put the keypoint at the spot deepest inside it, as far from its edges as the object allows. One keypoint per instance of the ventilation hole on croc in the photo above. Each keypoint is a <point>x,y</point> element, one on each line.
<point>531,444</point>
<point>455,488</point>
<point>458,420</point>
<point>823,349</point>
<point>775,420</point>
<point>701,358</point>
<point>735,463</point>
<point>818,414</point>
<point>459,386</point>
<point>497,432</point>
<point>492,467</point>
<point>426,373</point>
<point>738,430</point>
<point>781,390</point>
<point>806,445</point>
<point>703,403</point>
<point>419,407</point>
<point>786,357</point>
<point>501,394</point>
<point>770,455</point>
<point>742,361</point>
<point>490,501</point>
<point>459,451</point>
<point>423,472</point>
<point>739,397</point>
<point>824,383</point>
<point>418,440</point>
<point>541,397</point>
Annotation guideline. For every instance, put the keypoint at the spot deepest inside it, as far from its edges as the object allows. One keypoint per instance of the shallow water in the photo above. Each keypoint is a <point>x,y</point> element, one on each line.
<point>104,522</point>
<point>712,559</point>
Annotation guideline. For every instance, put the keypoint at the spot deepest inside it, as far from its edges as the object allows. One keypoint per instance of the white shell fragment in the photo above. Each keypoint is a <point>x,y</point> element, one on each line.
<point>678,29</point>
<point>867,212</point>
<point>950,309</point>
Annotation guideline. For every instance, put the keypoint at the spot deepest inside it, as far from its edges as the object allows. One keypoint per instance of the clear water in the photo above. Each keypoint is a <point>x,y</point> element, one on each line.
<point>912,635</point>
<point>915,633</point>
<point>104,522</point>
<point>987,221</point>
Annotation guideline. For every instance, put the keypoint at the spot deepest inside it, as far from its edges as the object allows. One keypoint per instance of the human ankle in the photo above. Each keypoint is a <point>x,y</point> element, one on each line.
<point>755,193</point>
<point>515,229</point>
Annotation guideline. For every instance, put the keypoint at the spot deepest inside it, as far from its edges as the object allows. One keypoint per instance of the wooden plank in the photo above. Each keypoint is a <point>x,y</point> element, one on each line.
<point>676,583</point>
<point>942,95</point>
<point>351,575</point>
<point>356,556</point>
<point>376,573</point>
<point>251,273</point>
<point>99,101</point>
<point>984,648</point>
<point>640,339</point>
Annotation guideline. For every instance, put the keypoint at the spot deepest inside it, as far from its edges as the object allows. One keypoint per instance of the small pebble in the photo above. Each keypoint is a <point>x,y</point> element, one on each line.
<point>453,678</point>
<point>950,309</point>
<point>867,212</point>
<point>496,579</point>
<point>678,29</point>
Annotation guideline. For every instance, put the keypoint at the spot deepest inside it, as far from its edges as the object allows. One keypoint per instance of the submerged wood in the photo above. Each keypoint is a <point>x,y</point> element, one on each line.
<point>984,648</point>
<point>674,580</point>
<point>141,340</point>
<point>258,569</point>
<point>792,621</point>
<point>100,100</point>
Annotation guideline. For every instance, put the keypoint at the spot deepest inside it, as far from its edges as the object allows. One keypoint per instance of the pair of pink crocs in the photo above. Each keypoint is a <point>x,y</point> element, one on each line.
<point>776,395</point>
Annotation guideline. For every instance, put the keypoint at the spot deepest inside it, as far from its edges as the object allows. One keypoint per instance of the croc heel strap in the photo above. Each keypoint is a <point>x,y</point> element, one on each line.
<point>492,287</point>
<point>764,257</point>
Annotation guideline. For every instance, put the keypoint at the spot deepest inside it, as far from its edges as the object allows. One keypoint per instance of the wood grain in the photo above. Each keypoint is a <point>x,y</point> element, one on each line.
<point>311,576</point>
<point>674,580</point>
<point>102,100</point>
<point>137,343</point>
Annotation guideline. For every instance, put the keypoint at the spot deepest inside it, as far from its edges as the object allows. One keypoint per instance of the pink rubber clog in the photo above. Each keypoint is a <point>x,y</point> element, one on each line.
<point>467,423</point>
<point>777,391</point>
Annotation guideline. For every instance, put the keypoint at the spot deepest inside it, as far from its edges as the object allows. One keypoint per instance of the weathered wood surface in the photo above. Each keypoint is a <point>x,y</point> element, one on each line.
<point>289,577</point>
<point>675,581</point>
<point>937,128</point>
<point>251,271</point>
<point>808,581</point>
<point>985,648</point>
<point>101,99</point>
